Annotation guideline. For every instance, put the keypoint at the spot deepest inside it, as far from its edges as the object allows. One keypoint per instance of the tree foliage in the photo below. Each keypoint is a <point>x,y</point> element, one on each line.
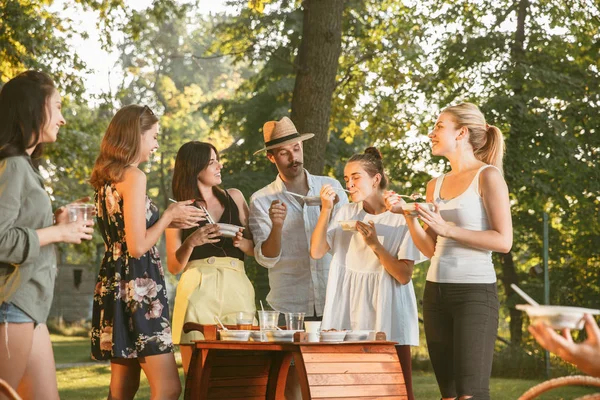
<point>533,68</point>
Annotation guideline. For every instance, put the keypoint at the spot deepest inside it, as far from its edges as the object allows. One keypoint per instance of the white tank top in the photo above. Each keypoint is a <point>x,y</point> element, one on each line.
<point>453,262</point>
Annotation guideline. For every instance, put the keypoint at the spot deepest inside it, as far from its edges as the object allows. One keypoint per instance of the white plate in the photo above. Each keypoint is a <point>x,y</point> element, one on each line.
<point>411,207</point>
<point>228,230</point>
<point>241,336</point>
<point>557,317</point>
<point>354,336</point>
<point>333,336</point>
<point>349,225</point>
<point>280,336</point>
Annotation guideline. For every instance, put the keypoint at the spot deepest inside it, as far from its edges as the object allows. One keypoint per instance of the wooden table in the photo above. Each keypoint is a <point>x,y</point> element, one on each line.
<point>258,370</point>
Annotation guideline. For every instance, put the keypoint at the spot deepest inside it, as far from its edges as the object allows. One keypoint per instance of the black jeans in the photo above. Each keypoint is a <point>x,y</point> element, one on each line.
<point>461,323</point>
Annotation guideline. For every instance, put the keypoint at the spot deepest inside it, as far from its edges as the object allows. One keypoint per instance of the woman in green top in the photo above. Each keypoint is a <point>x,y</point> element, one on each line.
<point>30,115</point>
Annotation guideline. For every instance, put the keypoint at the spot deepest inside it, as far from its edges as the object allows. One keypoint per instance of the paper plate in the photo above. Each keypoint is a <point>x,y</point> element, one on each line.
<point>557,317</point>
<point>411,207</point>
<point>228,230</point>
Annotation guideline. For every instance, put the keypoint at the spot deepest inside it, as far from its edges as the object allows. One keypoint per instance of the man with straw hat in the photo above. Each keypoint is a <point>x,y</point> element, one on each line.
<point>282,223</point>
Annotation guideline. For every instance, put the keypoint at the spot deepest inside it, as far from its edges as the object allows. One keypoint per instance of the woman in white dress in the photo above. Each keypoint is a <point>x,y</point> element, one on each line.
<point>369,285</point>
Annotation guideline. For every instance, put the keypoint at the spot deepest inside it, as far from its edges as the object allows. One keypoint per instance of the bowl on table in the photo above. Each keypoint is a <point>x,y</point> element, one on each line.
<point>228,230</point>
<point>241,336</point>
<point>557,317</point>
<point>358,335</point>
<point>333,336</point>
<point>411,207</point>
<point>257,336</point>
<point>349,225</point>
<point>280,335</point>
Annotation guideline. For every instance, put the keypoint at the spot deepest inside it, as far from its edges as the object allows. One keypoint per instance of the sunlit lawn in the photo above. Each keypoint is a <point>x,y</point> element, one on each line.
<point>91,382</point>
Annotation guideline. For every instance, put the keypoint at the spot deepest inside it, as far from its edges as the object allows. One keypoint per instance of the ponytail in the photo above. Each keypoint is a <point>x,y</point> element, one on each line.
<point>492,152</point>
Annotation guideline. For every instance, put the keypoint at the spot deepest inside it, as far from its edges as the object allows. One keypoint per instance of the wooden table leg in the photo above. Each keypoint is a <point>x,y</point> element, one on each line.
<point>302,376</point>
<point>195,372</point>
<point>278,372</point>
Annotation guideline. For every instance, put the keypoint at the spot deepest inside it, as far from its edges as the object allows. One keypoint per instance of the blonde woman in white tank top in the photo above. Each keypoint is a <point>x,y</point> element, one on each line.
<point>471,219</point>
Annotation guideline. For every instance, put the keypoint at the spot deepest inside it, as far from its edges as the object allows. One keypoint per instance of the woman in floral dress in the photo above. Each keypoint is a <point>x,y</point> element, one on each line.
<point>130,322</point>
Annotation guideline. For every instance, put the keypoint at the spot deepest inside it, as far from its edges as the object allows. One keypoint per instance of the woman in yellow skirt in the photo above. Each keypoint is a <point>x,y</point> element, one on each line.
<point>214,282</point>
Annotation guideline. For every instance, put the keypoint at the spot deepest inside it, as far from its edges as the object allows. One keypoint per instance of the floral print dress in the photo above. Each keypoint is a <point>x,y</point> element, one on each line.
<point>130,315</point>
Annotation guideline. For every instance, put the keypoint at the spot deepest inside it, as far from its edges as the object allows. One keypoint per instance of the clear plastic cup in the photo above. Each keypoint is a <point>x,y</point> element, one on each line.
<point>244,320</point>
<point>268,320</point>
<point>294,321</point>
<point>81,212</point>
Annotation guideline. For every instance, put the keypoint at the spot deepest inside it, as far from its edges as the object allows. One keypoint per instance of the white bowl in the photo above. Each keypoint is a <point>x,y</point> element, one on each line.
<point>228,230</point>
<point>557,317</point>
<point>280,336</point>
<point>257,336</point>
<point>354,336</point>
<point>312,200</point>
<point>241,336</point>
<point>411,207</point>
<point>333,336</point>
<point>349,225</point>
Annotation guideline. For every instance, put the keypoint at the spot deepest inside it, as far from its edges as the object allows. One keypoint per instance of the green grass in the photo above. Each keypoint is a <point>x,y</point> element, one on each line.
<point>91,382</point>
<point>70,349</point>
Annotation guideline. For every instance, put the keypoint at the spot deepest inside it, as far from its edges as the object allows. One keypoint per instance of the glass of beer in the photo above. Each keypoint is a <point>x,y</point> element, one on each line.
<point>244,320</point>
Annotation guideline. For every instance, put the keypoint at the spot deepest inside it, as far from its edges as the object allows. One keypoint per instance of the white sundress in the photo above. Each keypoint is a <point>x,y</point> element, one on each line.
<point>361,294</point>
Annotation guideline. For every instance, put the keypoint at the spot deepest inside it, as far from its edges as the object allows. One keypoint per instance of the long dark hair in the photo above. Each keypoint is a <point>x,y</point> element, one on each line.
<point>192,158</point>
<point>24,113</point>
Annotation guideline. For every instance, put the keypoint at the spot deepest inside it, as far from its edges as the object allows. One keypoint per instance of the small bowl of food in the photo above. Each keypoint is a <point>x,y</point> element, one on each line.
<point>332,335</point>
<point>557,317</point>
<point>412,207</point>
<point>257,336</point>
<point>312,200</point>
<point>349,225</point>
<point>240,336</point>
<point>280,335</point>
<point>228,230</point>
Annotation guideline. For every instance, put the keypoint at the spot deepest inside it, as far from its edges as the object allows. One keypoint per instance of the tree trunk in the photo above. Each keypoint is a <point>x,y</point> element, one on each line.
<point>509,275</point>
<point>318,59</point>
<point>509,271</point>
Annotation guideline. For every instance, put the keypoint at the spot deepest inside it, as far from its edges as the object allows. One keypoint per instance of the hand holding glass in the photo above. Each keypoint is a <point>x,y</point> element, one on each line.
<point>81,212</point>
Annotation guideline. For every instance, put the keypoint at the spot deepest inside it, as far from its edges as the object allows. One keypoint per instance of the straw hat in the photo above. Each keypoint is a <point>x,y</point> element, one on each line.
<point>281,133</point>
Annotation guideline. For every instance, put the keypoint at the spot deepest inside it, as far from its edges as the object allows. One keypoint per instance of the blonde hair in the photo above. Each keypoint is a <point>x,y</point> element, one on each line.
<point>487,140</point>
<point>121,144</point>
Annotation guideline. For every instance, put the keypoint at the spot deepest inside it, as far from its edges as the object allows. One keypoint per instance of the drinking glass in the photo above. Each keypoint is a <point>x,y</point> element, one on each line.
<point>294,321</point>
<point>244,320</point>
<point>81,212</point>
<point>268,320</point>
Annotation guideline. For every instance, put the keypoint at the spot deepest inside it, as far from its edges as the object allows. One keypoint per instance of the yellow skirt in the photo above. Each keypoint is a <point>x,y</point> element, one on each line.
<point>214,286</point>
